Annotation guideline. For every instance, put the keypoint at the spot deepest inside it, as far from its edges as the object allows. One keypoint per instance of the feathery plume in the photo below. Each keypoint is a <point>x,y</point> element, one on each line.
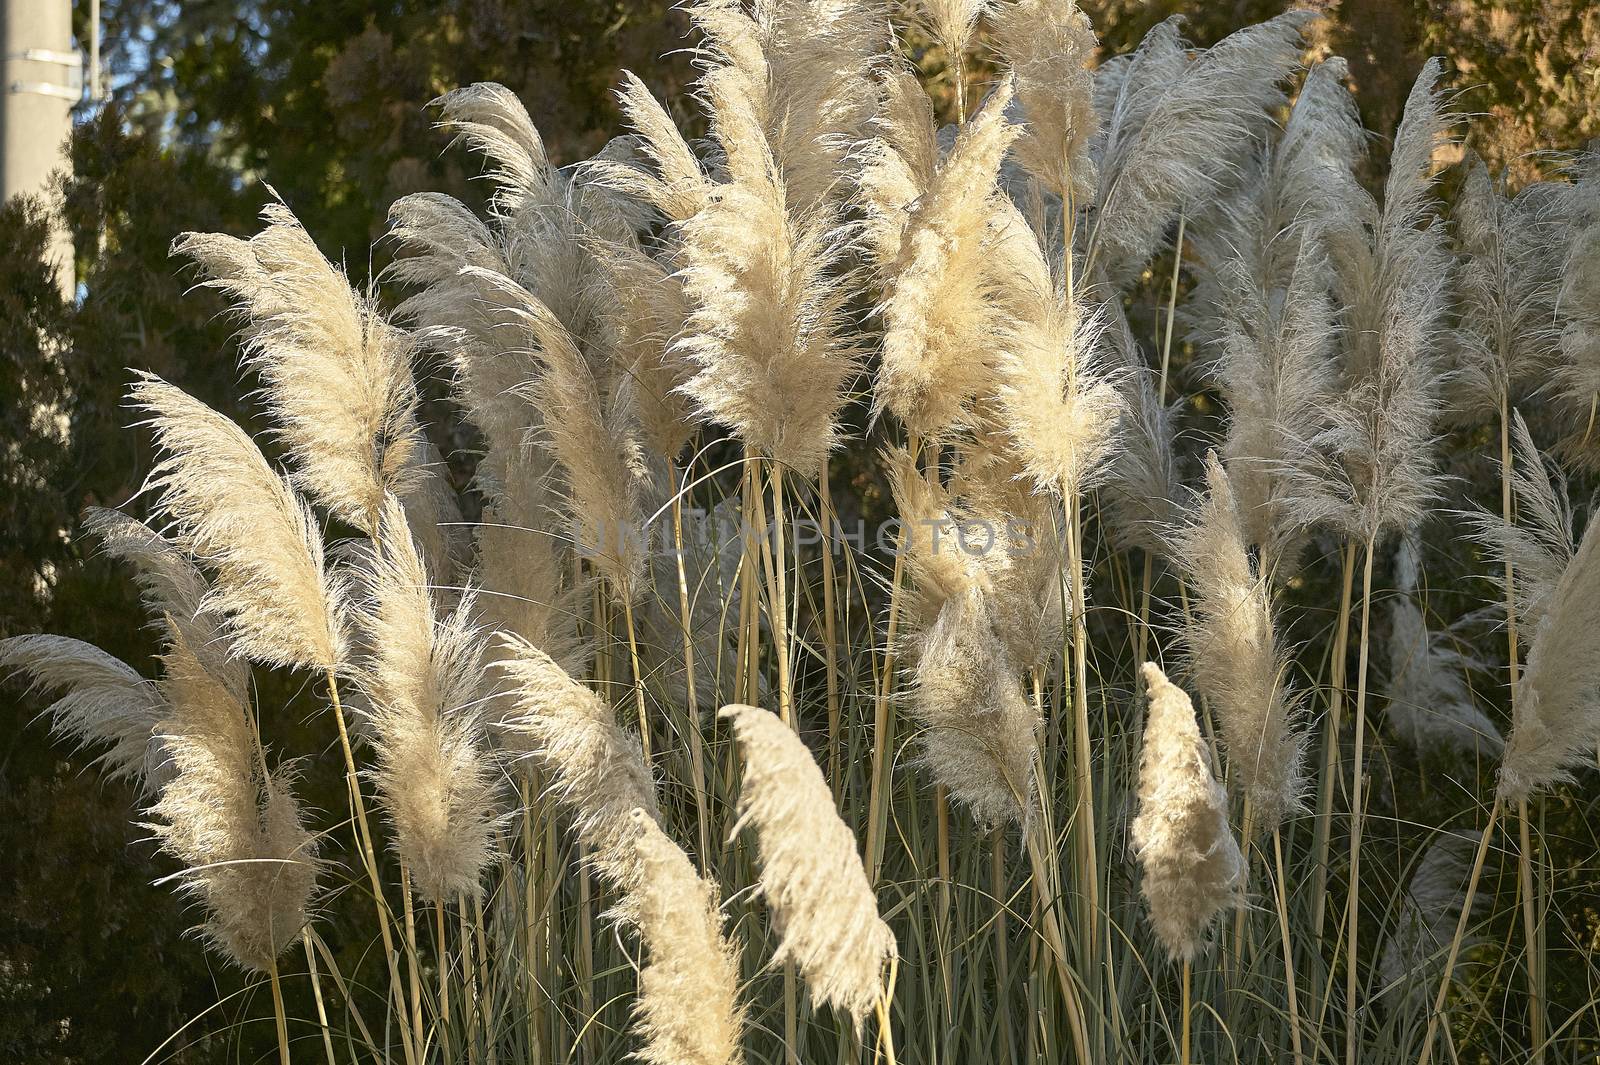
<point>337,374</point>
<point>422,680</point>
<point>1057,403</point>
<point>1276,371</point>
<point>1538,545</point>
<point>811,872</point>
<point>938,312</point>
<point>652,310</point>
<point>1174,130</point>
<point>1576,372</point>
<point>1192,866</point>
<point>593,436</point>
<point>1145,494</point>
<point>522,566</point>
<point>101,702</point>
<point>1372,470</point>
<point>688,1011</point>
<point>1429,912</point>
<point>1048,46</point>
<point>982,731</point>
<point>1507,284</point>
<point>678,187</point>
<point>1556,722</point>
<point>1235,657</point>
<point>236,826</point>
<point>789,87</point>
<point>898,162</point>
<point>1430,705</point>
<point>597,768</point>
<point>171,588</point>
<point>764,335</point>
<point>282,605</point>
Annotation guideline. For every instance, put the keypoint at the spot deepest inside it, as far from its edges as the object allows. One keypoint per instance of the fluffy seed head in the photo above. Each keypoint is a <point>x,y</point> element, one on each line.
<point>1192,866</point>
<point>261,540</point>
<point>811,873</point>
<point>434,773</point>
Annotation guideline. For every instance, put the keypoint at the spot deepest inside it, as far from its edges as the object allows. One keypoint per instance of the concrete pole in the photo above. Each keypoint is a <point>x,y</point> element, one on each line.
<point>41,79</point>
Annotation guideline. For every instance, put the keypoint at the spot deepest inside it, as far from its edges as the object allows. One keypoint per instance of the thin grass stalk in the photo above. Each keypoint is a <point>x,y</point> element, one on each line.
<point>408,1032</point>
<point>697,754</point>
<point>780,606</point>
<point>1289,981</point>
<point>316,994</point>
<point>441,950</point>
<point>882,724</point>
<point>469,982</point>
<point>1323,832</point>
<point>485,981</point>
<point>586,995</point>
<point>1002,962</point>
<point>277,1010</point>
<point>830,635</point>
<point>344,993</point>
<point>941,811</point>
<point>1183,1038</point>
<point>1056,945</point>
<point>1083,752</point>
<point>1357,815</point>
<point>531,875</point>
<point>413,964</point>
<point>1435,1014</point>
<point>638,676</point>
<point>1530,931</point>
<point>1513,666</point>
<point>1172,314</point>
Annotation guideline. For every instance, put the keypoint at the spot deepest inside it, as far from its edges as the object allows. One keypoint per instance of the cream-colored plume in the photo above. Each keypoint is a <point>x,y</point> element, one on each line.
<point>593,435</point>
<point>1555,726</point>
<point>688,1011</point>
<point>524,566</point>
<point>652,310</point>
<point>1372,471</point>
<point>939,312</point>
<point>172,589</point>
<point>422,679</point>
<point>766,335</point>
<point>1235,657</point>
<point>235,825</point>
<point>234,513</point>
<point>597,768</point>
<point>337,374</point>
<point>1057,403</point>
<point>789,87</point>
<point>1048,46</point>
<point>101,701</point>
<point>982,732</point>
<point>1192,867</point>
<point>1175,129</point>
<point>811,873</point>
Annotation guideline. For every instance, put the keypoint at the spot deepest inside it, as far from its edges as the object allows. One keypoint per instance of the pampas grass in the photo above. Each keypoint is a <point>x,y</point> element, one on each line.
<point>811,875</point>
<point>434,773</point>
<point>1235,656</point>
<point>338,376</point>
<point>696,331</point>
<point>282,604</point>
<point>1192,868</point>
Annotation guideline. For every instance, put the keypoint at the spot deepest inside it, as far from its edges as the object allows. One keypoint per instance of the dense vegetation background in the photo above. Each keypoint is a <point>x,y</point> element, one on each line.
<point>325,101</point>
